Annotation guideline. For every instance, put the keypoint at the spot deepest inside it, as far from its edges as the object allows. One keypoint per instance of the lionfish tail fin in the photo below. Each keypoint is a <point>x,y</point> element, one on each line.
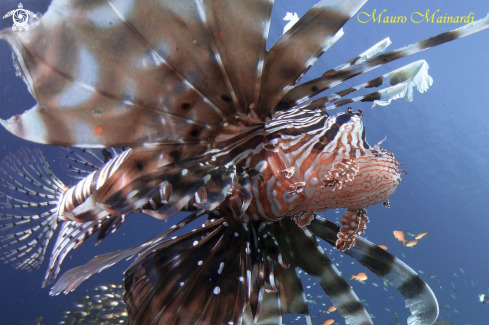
<point>418,295</point>
<point>29,211</point>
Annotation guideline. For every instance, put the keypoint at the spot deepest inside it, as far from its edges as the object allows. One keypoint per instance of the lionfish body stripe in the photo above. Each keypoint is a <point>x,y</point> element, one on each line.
<point>216,126</point>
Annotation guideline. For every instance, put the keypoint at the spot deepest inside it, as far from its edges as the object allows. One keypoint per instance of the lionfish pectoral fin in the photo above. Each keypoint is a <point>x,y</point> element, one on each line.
<point>28,213</point>
<point>418,295</point>
<point>199,269</point>
<point>106,109</point>
<point>310,257</point>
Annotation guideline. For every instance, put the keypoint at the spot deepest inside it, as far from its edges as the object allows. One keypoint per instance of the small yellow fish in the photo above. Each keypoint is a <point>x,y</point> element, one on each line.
<point>331,309</point>
<point>411,243</point>
<point>328,321</point>
<point>410,233</point>
<point>399,235</point>
<point>431,276</point>
<point>421,235</point>
<point>360,277</point>
<point>383,247</point>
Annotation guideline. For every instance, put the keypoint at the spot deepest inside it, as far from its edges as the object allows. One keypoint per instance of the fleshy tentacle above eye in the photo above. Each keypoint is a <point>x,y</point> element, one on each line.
<point>418,295</point>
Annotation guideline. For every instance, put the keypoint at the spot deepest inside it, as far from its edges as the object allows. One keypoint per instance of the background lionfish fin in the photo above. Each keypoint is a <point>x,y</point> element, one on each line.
<point>418,295</point>
<point>80,162</point>
<point>240,31</point>
<point>191,280</point>
<point>331,78</point>
<point>165,84</point>
<point>29,192</point>
<point>310,257</point>
<point>70,280</point>
<point>299,48</point>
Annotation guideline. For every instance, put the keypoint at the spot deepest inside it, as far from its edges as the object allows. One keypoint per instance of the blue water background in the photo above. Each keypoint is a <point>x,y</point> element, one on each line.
<point>442,136</point>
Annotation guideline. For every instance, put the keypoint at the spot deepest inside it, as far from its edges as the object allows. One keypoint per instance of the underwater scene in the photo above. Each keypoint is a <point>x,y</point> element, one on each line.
<point>273,219</point>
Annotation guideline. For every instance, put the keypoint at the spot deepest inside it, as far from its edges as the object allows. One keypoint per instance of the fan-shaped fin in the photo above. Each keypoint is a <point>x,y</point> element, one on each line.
<point>309,256</point>
<point>334,77</point>
<point>107,70</point>
<point>418,295</point>
<point>28,212</point>
<point>298,49</point>
<point>74,277</point>
<point>81,162</point>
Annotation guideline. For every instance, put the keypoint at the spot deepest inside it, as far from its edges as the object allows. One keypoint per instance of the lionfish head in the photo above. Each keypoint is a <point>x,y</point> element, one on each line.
<point>349,172</point>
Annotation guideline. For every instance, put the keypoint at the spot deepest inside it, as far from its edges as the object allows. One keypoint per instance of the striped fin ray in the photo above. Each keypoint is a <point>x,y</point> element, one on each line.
<point>70,280</point>
<point>270,293</point>
<point>28,215</point>
<point>153,81</point>
<point>400,81</point>
<point>72,235</point>
<point>80,162</point>
<point>310,257</point>
<point>239,31</point>
<point>332,78</point>
<point>300,47</point>
<point>372,51</point>
<point>289,298</point>
<point>192,280</point>
<point>418,295</point>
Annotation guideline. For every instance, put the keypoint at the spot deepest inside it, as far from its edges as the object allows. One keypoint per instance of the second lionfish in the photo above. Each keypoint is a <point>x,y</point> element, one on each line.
<point>217,126</point>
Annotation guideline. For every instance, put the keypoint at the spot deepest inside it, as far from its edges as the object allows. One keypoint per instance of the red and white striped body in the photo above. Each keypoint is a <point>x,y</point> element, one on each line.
<point>297,166</point>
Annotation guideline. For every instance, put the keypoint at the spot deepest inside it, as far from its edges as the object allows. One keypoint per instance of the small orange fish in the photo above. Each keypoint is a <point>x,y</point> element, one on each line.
<point>360,277</point>
<point>328,321</point>
<point>383,247</point>
<point>421,235</point>
<point>399,235</point>
<point>411,243</point>
<point>331,309</point>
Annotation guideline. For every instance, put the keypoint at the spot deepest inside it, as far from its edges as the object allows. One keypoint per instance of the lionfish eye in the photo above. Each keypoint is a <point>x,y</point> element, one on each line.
<point>342,119</point>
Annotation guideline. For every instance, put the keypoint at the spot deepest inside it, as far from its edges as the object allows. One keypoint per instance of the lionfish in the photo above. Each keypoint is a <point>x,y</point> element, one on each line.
<point>212,123</point>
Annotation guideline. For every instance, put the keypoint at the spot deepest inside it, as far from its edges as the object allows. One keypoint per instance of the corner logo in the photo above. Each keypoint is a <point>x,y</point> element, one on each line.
<point>20,17</point>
